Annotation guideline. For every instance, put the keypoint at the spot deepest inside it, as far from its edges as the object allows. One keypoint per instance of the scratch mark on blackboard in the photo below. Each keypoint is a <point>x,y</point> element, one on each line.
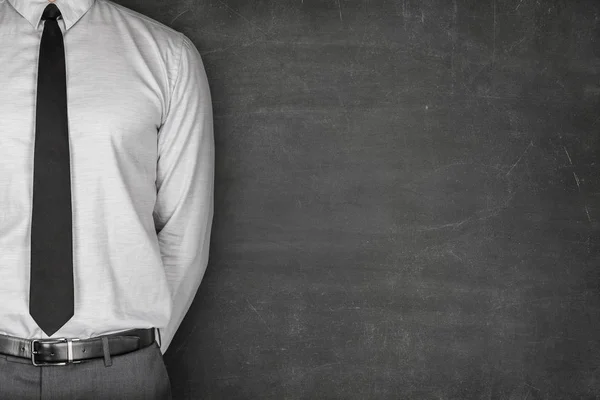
<point>568,156</point>
<point>516,44</point>
<point>577,181</point>
<point>246,19</point>
<point>451,252</point>
<point>588,213</point>
<point>179,15</point>
<point>585,207</point>
<point>259,316</point>
<point>340,8</point>
<point>532,386</point>
<point>436,227</point>
<point>526,149</point>
<point>519,5</point>
<point>219,49</point>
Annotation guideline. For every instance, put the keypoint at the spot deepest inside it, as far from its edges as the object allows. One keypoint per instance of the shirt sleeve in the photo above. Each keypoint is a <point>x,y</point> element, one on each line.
<point>183,211</point>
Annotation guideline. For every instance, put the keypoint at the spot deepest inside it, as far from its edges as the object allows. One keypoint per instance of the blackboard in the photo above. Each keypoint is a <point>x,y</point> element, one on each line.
<point>407,200</point>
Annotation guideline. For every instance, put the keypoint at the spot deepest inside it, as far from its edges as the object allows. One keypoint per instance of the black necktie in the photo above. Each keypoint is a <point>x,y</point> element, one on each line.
<point>51,286</point>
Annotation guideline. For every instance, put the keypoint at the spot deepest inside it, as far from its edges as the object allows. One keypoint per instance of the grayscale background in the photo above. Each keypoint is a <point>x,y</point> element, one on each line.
<point>407,200</point>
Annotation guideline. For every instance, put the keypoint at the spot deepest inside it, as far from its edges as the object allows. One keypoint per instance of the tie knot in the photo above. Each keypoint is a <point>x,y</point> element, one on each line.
<point>51,12</point>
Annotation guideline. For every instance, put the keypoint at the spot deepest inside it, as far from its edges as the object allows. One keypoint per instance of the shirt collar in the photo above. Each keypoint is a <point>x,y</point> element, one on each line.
<point>70,10</point>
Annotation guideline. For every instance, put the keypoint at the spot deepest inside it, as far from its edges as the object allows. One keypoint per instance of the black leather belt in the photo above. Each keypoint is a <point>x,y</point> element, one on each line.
<point>63,351</point>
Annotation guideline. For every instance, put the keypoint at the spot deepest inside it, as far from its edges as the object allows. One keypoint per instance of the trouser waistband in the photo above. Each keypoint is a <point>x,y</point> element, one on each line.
<point>64,351</point>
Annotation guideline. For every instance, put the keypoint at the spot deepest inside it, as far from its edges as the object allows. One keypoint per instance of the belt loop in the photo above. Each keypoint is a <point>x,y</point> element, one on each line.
<point>107,359</point>
<point>159,338</point>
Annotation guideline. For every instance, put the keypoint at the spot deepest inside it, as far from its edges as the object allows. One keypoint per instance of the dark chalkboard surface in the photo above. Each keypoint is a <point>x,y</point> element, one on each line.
<point>407,200</point>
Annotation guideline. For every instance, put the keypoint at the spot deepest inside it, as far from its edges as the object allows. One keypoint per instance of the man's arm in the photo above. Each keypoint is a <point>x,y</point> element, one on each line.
<point>184,206</point>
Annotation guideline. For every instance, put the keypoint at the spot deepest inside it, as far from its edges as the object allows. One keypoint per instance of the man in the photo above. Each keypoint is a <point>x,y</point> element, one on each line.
<point>106,197</point>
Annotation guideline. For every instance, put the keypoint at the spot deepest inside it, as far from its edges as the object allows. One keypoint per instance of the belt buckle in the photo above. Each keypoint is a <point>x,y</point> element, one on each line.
<point>54,340</point>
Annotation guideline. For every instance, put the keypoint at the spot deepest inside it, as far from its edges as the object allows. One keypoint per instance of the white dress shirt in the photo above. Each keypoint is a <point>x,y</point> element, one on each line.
<point>142,167</point>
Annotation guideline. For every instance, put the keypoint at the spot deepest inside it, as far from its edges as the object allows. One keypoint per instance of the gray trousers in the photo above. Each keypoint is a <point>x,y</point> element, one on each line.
<point>140,374</point>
